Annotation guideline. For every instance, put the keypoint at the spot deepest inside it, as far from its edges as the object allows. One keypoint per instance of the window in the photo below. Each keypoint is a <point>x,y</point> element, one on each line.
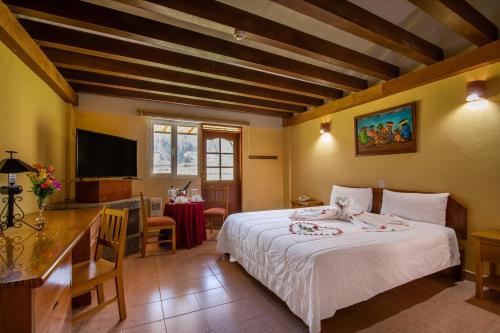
<point>220,159</point>
<point>175,149</point>
<point>162,148</point>
<point>187,150</point>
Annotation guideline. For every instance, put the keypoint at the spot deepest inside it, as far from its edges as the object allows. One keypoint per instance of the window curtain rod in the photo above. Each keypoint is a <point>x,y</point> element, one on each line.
<point>189,118</point>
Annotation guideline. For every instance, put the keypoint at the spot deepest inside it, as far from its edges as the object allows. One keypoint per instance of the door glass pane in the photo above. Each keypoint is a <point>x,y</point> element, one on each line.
<point>213,145</point>
<point>227,160</point>
<point>187,150</point>
<point>162,148</point>
<point>213,160</point>
<point>226,173</point>
<point>213,174</point>
<point>226,146</point>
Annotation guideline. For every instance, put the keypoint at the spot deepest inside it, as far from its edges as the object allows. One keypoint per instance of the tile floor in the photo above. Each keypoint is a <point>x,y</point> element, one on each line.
<point>196,291</point>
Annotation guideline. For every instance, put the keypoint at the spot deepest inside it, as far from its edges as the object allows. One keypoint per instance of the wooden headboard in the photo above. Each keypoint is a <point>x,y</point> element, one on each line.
<point>456,214</point>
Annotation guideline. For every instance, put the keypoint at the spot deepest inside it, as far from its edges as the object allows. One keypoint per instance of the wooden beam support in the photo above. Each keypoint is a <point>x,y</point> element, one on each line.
<point>72,60</point>
<point>109,91</point>
<point>135,28</point>
<point>184,117</point>
<point>272,33</point>
<point>111,48</point>
<point>13,35</point>
<point>461,17</point>
<point>161,88</point>
<point>345,15</point>
<point>482,56</point>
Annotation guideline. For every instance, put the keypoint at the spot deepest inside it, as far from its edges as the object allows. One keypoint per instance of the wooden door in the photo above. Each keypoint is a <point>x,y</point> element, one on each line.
<point>222,163</point>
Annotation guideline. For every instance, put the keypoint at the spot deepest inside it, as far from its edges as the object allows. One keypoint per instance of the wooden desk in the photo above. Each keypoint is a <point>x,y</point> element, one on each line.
<point>487,249</point>
<point>35,270</point>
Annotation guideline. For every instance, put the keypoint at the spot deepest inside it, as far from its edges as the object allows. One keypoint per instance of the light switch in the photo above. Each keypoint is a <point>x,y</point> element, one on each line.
<point>381,184</point>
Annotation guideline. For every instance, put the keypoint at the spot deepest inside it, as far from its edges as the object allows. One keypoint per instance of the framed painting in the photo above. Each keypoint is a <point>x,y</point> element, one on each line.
<point>389,131</point>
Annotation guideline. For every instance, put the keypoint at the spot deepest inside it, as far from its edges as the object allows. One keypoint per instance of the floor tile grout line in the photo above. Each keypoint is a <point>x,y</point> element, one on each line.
<point>135,326</point>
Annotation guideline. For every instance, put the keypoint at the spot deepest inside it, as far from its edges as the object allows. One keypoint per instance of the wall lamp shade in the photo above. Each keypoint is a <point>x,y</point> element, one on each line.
<point>9,218</point>
<point>476,90</point>
<point>324,128</point>
<point>12,165</point>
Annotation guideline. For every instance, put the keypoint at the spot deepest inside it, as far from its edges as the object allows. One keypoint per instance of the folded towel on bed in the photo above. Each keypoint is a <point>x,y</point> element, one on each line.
<point>342,211</point>
<point>379,222</point>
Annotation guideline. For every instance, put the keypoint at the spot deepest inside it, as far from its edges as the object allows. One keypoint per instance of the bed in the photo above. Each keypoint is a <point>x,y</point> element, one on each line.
<point>317,275</point>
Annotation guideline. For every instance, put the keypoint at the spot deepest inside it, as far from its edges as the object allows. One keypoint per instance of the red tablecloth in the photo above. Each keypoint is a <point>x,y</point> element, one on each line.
<point>190,223</point>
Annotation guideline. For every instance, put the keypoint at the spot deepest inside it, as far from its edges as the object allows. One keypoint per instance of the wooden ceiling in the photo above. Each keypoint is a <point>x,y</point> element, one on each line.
<point>112,50</point>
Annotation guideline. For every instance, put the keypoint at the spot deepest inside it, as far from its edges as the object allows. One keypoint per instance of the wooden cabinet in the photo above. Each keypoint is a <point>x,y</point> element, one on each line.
<point>104,190</point>
<point>487,250</point>
<point>305,204</point>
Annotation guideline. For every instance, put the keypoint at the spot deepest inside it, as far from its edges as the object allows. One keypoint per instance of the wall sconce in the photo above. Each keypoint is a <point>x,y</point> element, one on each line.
<point>324,128</point>
<point>476,90</point>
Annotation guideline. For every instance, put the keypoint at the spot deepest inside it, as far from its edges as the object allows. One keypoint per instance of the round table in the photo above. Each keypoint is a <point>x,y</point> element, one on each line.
<point>190,223</point>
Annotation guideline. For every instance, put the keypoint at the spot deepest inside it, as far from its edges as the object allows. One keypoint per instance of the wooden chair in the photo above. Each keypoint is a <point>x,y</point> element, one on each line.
<point>151,227</point>
<point>218,203</point>
<point>91,274</point>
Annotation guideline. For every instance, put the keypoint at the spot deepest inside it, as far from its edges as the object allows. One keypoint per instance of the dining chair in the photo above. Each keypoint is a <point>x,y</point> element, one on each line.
<point>218,204</point>
<point>92,274</point>
<point>152,226</point>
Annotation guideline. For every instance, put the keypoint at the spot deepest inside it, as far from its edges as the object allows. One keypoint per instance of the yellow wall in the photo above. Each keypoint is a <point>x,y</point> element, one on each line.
<point>262,183</point>
<point>33,121</point>
<point>458,150</point>
<point>263,179</point>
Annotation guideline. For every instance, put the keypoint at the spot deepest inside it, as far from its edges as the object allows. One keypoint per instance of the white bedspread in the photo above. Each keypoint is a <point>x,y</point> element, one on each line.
<point>317,275</point>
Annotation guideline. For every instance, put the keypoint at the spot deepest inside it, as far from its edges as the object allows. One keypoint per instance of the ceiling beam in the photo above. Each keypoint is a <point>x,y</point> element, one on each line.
<point>13,35</point>
<point>345,15</point>
<point>154,87</point>
<point>181,116</point>
<point>272,33</point>
<point>89,63</point>
<point>482,56</point>
<point>111,91</point>
<point>461,17</point>
<point>119,24</point>
<point>111,48</point>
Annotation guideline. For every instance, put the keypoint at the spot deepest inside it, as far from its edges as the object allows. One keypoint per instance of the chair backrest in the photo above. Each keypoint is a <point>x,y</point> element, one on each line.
<point>218,197</point>
<point>112,233</point>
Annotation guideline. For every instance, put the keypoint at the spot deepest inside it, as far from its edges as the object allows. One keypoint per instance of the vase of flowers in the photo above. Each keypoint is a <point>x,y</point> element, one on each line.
<point>43,184</point>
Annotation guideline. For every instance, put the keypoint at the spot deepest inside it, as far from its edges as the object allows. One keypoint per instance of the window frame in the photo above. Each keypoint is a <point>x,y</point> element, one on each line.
<point>173,150</point>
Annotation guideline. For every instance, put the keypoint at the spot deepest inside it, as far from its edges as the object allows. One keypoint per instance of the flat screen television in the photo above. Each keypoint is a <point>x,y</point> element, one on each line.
<point>101,155</point>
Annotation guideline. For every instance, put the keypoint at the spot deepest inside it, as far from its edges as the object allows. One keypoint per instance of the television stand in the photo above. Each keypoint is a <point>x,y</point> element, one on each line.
<point>103,190</point>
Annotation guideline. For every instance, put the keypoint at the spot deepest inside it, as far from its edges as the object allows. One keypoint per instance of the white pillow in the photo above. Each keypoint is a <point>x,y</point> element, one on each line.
<point>416,206</point>
<point>362,197</point>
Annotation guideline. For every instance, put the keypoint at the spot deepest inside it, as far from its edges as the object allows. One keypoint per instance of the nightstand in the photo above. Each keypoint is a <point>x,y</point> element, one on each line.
<point>487,249</point>
<point>305,204</point>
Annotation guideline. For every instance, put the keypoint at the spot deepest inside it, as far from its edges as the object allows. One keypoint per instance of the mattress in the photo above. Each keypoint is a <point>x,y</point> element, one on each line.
<point>317,275</point>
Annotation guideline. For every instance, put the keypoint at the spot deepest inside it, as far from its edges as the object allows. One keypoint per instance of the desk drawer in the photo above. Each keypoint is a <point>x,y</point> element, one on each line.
<point>490,251</point>
<point>52,300</point>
